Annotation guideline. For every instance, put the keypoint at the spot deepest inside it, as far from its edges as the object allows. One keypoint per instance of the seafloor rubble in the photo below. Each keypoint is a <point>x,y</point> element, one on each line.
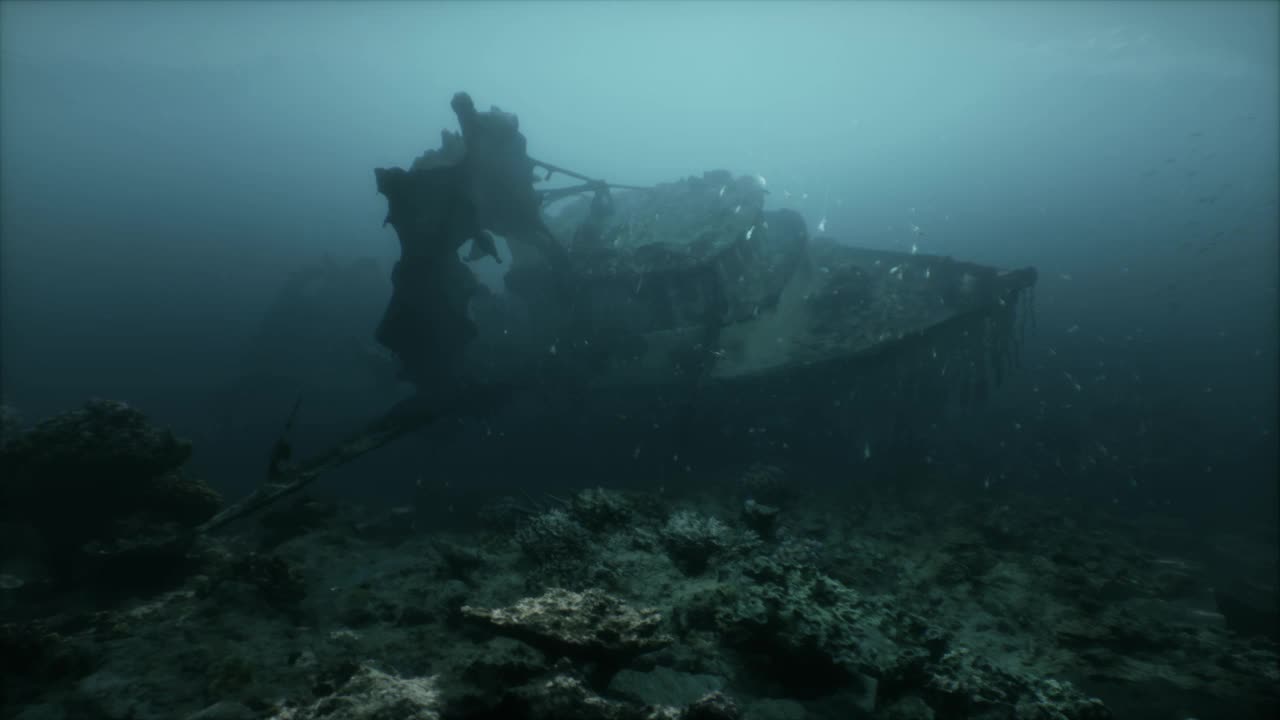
<point>763,599</point>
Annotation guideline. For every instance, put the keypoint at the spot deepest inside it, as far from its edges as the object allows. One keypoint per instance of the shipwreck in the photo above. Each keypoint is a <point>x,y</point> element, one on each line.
<point>687,314</point>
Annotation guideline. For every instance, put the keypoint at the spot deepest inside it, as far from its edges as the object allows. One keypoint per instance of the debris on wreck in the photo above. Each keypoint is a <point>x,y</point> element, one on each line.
<point>695,279</point>
<point>692,303</point>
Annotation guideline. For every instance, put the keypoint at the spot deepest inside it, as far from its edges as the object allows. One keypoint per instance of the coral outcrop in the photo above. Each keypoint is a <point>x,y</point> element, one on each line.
<point>105,491</point>
<point>590,624</point>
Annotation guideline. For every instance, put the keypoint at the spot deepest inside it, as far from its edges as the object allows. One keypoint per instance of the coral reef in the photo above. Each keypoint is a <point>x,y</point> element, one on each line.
<point>963,684</point>
<point>692,540</point>
<point>557,546</point>
<point>634,606</point>
<point>817,631</point>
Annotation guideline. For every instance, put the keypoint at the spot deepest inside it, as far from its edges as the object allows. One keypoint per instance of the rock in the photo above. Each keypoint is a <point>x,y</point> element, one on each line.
<point>478,681</point>
<point>664,686</point>
<point>104,437</point>
<point>279,583</point>
<point>817,632</point>
<point>1250,608</point>
<point>371,694</point>
<point>963,682</point>
<point>102,474</point>
<point>34,654</point>
<point>692,540</point>
<point>908,708</point>
<point>10,424</point>
<point>775,709</point>
<point>113,695</point>
<point>564,697</point>
<point>224,711</point>
<point>590,625</point>
<point>599,509</point>
<point>42,712</point>
<point>504,515</point>
<point>289,521</point>
<point>553,538</point>
<point>763,519</point>
<point>460,560</point>
<point>713,706</point>
<point>768,485</point>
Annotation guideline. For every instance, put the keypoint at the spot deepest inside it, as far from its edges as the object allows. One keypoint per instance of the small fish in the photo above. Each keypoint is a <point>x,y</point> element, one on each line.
<point>722,188</point>
<point>927,273</point>
<point>761,182</point>
<point>737,210</point>
<point>822,225</point>
<point>914,248</point>
<point>786,194</point>
<point>751,231</point>
<point>866,451</point>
